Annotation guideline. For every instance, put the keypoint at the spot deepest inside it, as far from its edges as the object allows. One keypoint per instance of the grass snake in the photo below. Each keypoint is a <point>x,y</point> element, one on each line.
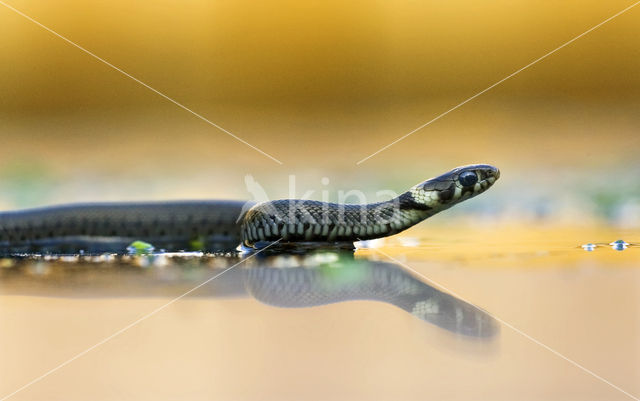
<point>220,225</point>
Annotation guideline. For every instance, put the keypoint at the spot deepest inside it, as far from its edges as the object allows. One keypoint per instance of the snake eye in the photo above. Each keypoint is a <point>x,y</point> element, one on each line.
<point>468,178</point>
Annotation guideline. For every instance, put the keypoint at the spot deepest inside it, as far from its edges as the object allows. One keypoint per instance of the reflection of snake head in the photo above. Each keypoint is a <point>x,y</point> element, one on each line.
<point>297,283</point>
<point>453,187</point>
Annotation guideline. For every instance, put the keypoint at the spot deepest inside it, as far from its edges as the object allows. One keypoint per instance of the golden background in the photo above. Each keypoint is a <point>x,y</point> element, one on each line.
<point>318,85</point>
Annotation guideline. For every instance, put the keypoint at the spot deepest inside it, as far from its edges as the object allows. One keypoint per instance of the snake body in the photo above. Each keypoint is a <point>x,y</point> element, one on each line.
<point>110,227</point>
<point>221,225</point>
<point>306,220</point>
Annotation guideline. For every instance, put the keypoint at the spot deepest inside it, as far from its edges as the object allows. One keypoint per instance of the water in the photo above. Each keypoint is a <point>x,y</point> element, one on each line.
<point>442,313</point>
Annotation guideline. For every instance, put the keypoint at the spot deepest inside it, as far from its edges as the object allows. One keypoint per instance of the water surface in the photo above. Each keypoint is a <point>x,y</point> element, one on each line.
<point>428,315</point>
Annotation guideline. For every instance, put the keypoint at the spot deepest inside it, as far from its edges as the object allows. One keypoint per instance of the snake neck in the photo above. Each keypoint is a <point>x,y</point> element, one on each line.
<point>307,220</point>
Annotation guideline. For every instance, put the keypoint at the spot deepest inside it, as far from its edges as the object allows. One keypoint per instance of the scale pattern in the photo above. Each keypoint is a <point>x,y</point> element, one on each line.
<point>306,220</point>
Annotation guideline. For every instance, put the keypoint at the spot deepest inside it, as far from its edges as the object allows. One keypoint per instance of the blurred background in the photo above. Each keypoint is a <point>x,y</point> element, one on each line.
<point>320,85</point>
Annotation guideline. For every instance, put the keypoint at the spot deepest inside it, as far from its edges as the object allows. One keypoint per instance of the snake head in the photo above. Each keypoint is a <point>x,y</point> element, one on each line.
<point>455,186</point>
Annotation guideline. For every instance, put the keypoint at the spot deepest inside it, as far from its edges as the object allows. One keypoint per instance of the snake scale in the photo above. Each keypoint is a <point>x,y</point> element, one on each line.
<point>221,225</point>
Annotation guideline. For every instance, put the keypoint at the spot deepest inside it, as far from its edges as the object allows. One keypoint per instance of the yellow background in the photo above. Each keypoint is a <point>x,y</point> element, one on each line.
<point>318,85</point>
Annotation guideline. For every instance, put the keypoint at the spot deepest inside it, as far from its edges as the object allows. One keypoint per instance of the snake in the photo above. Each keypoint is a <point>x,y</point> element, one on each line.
<point>223,225</point>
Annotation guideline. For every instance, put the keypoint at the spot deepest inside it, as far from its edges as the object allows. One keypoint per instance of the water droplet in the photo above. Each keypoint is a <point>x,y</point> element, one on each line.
<point>619,245</point>
<point>589,247</point>
<point>619,242</point>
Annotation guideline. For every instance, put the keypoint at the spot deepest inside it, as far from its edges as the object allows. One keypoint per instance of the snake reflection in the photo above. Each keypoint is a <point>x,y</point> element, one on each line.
<point>290,281</point>
<point>340,278</point>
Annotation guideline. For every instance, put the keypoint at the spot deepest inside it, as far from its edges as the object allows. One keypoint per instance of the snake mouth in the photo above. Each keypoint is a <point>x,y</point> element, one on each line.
<point>487,176</point>
<point>485,171</point>
<point>491,175</point>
